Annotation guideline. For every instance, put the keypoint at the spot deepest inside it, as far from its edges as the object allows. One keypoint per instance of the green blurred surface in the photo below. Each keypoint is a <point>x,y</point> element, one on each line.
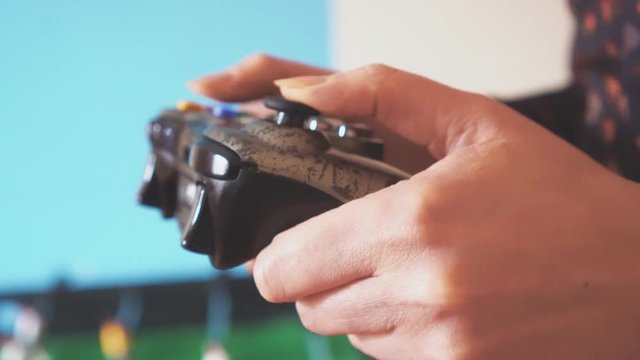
<point>281,339</point>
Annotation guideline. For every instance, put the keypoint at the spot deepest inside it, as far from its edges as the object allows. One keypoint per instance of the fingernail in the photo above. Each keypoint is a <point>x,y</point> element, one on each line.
<point>194,85</point>
<point>300,82</point>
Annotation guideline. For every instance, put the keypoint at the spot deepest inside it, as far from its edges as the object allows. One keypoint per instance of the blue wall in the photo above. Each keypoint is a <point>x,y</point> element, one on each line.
<point>79,79</point>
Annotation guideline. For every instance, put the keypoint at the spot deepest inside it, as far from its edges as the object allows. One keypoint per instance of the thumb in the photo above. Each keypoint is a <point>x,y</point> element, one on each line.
<point>420,110</point>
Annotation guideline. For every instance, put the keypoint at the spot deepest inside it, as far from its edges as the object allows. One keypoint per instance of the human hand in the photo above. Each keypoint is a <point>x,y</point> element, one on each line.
<point>512,245</point>
<point>253,78</point>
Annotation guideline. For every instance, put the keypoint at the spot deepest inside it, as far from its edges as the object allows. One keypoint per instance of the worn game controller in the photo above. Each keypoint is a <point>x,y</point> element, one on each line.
<point>234,181</point>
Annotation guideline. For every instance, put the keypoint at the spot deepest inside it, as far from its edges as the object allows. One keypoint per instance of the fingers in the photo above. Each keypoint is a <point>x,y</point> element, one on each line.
<point>251,79</point>
<point>420,110</point>
<point>327,251</point>
<point>362,307</point>
<point>380,345</point>
<point>438,340</point>
<point>351,242</point>
<point>313,257</point>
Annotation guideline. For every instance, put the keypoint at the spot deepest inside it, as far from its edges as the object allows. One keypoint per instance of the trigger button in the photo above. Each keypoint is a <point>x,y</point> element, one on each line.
<point>198,230</point>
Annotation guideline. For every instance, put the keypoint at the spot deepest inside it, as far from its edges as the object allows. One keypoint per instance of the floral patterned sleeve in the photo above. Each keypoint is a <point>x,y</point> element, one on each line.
<point>600,112</point>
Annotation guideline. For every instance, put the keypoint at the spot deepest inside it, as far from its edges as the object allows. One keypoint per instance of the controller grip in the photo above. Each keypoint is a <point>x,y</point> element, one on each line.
<point>242,216</point>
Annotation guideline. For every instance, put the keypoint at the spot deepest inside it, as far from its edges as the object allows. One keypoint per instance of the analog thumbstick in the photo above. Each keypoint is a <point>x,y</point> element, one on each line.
<point>289,113</point>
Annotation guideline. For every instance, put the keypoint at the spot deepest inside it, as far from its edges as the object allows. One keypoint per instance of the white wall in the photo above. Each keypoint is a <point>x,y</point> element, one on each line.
<point>500,47</point>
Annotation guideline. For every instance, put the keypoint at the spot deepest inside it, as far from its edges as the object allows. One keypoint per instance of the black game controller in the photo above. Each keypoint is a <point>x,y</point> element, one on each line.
<point>234,181</point>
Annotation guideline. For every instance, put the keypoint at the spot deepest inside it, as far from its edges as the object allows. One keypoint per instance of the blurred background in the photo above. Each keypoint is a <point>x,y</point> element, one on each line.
<point>85,272</point>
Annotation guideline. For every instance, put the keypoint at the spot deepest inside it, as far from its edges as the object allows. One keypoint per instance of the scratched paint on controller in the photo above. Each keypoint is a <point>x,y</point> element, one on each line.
<point>304,156</point>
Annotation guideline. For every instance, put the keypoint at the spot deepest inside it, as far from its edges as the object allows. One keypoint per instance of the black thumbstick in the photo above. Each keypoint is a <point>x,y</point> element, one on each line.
<point>289,113</point>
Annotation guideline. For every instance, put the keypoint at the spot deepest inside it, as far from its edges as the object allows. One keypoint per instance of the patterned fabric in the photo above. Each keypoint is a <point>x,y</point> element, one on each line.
<point>606,64</point>
<point>600,112</point>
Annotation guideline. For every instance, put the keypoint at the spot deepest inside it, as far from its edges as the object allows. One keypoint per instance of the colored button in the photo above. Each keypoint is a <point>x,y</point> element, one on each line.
<point>224,111</point>
<point>188,106</point>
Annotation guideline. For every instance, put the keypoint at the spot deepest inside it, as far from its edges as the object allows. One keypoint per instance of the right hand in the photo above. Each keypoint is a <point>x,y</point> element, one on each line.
<point>513,245</point>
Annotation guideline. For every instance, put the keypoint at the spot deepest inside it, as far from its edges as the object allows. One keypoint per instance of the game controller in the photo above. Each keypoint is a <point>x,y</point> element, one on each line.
<point>234,181</point>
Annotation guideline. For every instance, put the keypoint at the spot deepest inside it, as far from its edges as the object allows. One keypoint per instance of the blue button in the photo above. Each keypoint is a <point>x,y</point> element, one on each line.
<point>224,111</point>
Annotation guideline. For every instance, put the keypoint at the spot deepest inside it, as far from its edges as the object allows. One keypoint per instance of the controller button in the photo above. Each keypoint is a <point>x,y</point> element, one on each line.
<point>158,187</point>
<point>342,130</point>
<point>224,111</point>
<point>313,125</point>
<point>289,113</point>
<point>190,192</point>
<point>219,165</point>
<point>279,103</point>
<point>154,131</point>
<point>213,160</point>
<point>353,130</point>
<point>188,106</point>
<point>149,192</point>
<point>317,123</point>
<point>198,229</point>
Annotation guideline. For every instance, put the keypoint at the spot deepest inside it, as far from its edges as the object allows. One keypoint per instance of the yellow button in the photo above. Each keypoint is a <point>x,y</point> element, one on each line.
<point>188,106</point>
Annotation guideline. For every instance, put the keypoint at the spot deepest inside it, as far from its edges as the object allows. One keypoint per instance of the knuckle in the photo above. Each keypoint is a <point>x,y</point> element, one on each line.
<point>476,107</point>
<point>433,293</point>
<point>480,106</point>
<point>267,278</point>
<point>379,86</point>
<point>377,70</point>
<point>377,76</point>
<point>358,342</point>
<point>309,319</point>
<point>482,102</point>
<point>435,204</point>
<point>427,212</point>
<point>320,320</point>
<point>259,60</point>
